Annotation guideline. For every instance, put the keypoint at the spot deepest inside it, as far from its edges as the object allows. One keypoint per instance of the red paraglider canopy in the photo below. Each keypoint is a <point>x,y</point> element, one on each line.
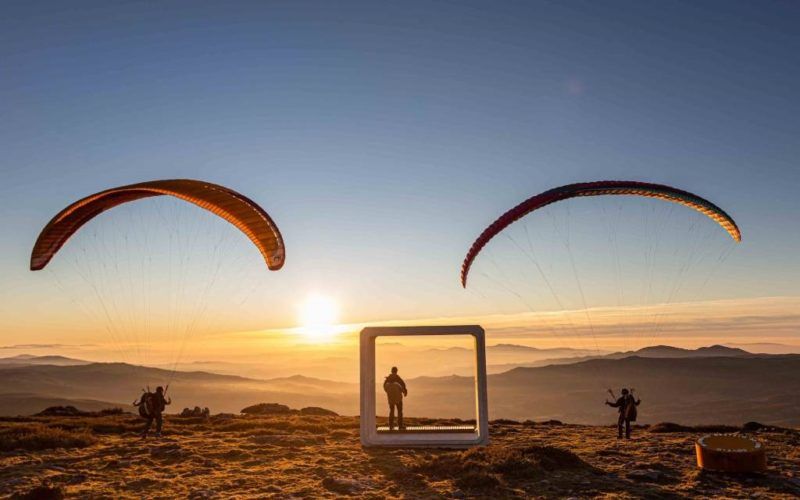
<point>600,188</point>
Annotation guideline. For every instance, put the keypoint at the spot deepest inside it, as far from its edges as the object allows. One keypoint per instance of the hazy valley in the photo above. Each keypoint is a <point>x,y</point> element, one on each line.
<point>709,385</point>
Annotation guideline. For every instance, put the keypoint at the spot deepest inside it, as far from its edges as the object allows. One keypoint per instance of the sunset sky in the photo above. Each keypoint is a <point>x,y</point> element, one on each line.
<point>382,138</point>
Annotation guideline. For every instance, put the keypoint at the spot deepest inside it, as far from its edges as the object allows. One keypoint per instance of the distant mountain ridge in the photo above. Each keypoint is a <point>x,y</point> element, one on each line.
<point>766,347</point>
<point>659,351</point>
<point>29,359</point>
<point>518,347</point>
<point>665,351</point>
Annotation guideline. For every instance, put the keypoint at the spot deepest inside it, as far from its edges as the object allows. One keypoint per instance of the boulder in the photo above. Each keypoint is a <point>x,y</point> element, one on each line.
<point>196,412</point>
<point>61,411</point>
<point>316,410</point>
<point>267,409</point>
<point>71,411</point>
<point>753,426</point>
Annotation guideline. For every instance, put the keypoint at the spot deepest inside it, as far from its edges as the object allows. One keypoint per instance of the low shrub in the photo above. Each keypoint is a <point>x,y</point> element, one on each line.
<point>267,409</point>
<point>71,411</point>
<point>486,467</point>
<point>316,410</point>
<point>504,421</point>
<point>42,492</point>
<point>477,480</point>
<point>111,411</point>
<point>544,422</point>
<point>667,427</point>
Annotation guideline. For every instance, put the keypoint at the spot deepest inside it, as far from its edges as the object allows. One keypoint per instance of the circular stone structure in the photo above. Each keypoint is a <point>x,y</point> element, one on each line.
<point>730,453</point>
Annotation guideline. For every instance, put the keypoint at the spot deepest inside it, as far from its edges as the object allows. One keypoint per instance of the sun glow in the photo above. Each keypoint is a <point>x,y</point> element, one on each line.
<point>318,316</point>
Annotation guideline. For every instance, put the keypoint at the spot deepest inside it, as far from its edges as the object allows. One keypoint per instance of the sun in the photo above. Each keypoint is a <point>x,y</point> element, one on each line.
<point>318,317</point>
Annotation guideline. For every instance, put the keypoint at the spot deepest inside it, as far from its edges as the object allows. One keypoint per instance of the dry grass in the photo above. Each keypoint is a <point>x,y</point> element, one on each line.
<point>499,469</point>
<point>320,457</point>
<point>37,437</point>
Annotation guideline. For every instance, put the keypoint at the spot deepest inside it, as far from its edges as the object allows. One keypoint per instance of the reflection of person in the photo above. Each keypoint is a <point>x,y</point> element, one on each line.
<point>395,388</point>
<point>627,411</point>
<point>151,406</point>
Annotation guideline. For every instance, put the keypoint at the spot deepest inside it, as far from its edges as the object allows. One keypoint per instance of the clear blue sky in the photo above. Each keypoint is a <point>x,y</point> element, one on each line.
<point>383,137</point>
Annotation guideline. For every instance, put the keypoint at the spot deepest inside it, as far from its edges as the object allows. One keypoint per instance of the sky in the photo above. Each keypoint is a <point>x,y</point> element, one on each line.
<point>382,138</point>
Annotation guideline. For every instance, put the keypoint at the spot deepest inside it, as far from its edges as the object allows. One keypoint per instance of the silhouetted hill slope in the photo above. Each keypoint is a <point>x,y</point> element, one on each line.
<point>28,404</point>
<point>92,376</point>
<point>122,383</point>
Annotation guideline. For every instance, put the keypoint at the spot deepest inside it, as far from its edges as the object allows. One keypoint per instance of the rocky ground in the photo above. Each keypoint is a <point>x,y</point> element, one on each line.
<point>306,456</point>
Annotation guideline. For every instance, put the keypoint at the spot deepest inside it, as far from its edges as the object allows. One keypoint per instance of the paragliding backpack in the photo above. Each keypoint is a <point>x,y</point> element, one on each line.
<point>630,408</point>
<point>393,390</point>
<point>147,405</point>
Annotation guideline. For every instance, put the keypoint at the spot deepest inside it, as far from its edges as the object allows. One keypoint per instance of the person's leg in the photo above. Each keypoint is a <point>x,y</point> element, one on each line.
<point>400,416</point>
<point>391,416</point>
<point>147,426</point>
<point>627,429</point>
<point>620,423</point>
<point>159,423</point>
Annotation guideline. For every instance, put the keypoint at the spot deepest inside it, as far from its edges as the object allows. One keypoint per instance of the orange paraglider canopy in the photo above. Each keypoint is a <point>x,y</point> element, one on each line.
<point>234,207</point>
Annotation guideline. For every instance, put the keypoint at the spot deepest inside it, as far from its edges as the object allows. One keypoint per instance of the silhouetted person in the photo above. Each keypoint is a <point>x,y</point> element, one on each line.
<point>626,405</point>
<point>395,388</point>
<point>151,406</point>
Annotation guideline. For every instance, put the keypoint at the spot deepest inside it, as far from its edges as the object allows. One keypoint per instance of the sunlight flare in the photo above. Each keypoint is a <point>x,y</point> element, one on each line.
<point>318,317</point>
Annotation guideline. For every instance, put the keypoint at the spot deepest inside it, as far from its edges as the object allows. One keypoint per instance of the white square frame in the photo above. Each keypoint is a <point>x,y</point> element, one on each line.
<point>369,430</point>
